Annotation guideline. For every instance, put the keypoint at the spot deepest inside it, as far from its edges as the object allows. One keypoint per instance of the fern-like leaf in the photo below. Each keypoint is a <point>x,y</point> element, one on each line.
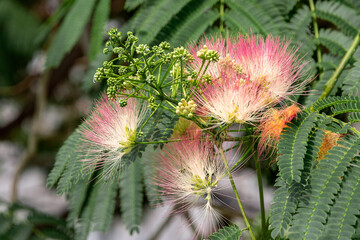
<point>77,198</point>
<point>250,16</point>
<point>297,29</point>
<point>286,197</point>
<point>325,183</point>
<point>345,108</point>
<point>152,191</point>
<point>153,16</point>
<point>69,32</point>
<point>343,214</point>
<point>100,19</point>
<point>132,4</point>
<point>336,42</point>
<point>99,209</point>
<point>292,147</point>
<point>345,18</point>
<point>332,101</point>
<point>232,232</point>
<point>284,205</point>
<point>352,80</point>
<point>131,196</point>
<point>63,157</point>
<point>188,24</point>
<point>354,117</point>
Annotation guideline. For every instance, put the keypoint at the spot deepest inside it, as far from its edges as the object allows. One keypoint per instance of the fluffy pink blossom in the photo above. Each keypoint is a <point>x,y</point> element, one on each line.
<point>110,132</point>
<point>252,74</point>
<point>188,174</point>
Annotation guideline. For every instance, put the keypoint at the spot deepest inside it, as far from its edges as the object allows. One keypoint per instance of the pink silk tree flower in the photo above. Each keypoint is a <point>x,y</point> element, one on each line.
<point>188,175</point>
<point>110,132</point>
<point>251,75</point>
<point>271,62</point>
<point>230,101</point>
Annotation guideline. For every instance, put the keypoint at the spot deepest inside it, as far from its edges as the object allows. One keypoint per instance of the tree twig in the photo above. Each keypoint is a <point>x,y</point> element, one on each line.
<point>34,132</point>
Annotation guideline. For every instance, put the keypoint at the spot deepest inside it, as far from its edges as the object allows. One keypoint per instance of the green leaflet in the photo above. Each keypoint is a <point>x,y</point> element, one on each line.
<point>284,205</point>
<point>324,183</point>
<point>232,232</point>
<point>343,214</point>
<point>286,197</point>
<point>352,81</point>
<point>153,16</point>
<point>323,103</point>
<point>345,18</point>
<point>292,147</point>
<point>188,24</point>
<point>101,15</point>
<point>99,209</point>
<point>131,196</point>
<point>69,32</point>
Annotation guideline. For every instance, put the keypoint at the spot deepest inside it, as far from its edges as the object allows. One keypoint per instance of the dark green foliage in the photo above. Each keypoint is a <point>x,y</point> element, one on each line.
<point>24,223</point>
<point>284,205</point>
<point>352,81</point>
<point>246,16</point>
<point>292,148</point>
<point>99,209</point>
<point>325,183</point>
<point>344,213</point>
<point>68,167</point>
<point>232,232</point>
<point>70,31</point>
<point>333,101</point>
<point>344,17</point>
<point>152,191</point>
<point>77,199</point>
<point>131,197</point>
<point>153,16</point>
<point>189,23</point>
<point>306,210</point>
<point>101,16</point>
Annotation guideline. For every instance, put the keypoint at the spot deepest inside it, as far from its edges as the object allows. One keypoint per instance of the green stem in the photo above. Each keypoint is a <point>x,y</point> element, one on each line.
<point>163,141</point>
<point>261,191</point>
<point>221,27</point>
<point>241,159</point>
<point>149,117</point>
<point>236,192</point>
<point>316,33</point>
<point>331,82</point>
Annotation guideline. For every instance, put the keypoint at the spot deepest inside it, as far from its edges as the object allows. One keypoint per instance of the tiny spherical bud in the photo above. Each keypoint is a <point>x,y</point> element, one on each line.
<point>185,112</point>
<point>165,45</point>
<point>178,112</point>
<point>123,102</point>
<point>140,134</point>
<point>190,115</point>
<point>106,51</point>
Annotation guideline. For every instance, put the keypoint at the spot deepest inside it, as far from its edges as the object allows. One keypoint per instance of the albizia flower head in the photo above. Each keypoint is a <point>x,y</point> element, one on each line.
<point>188,174</point>
<point>110,131</point>
<point>252,73</point>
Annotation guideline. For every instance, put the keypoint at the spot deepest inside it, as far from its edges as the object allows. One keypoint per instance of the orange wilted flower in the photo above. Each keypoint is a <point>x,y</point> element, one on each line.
<point>274,123</point>
<point>329,141</point>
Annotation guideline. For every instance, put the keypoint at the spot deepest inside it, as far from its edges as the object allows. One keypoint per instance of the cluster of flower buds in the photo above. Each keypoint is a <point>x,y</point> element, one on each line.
<point>206,54</point>
<point>186,108</point>
<point>183,54</point>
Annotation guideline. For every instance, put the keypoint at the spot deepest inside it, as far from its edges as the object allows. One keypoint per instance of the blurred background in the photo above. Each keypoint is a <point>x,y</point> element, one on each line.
<point>49,51</point>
